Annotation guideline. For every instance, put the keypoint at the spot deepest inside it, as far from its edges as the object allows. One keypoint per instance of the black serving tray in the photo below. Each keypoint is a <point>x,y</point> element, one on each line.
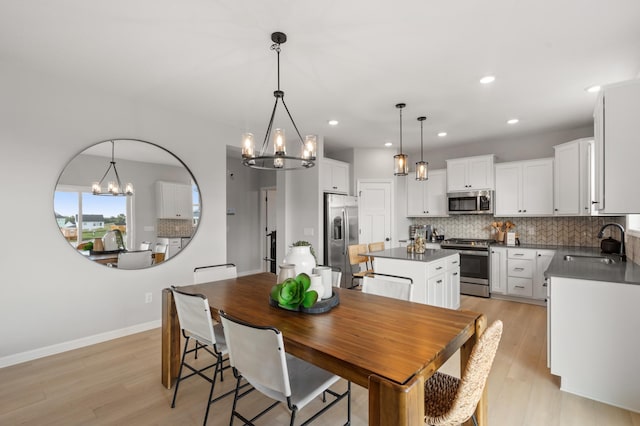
<point>325,305</point>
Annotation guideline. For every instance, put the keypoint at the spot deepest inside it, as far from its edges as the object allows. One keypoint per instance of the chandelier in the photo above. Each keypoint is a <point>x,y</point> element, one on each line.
<point>114,187</point>
<point>279,160</point>
<point>422,167</point>
<point>401,168</point>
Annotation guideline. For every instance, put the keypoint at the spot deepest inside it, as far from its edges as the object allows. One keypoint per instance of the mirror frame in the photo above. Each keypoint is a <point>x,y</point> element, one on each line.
<point>101,166</point>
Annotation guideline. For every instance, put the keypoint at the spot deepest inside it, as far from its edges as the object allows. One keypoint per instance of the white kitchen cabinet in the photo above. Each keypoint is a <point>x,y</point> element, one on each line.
<point>435,283</point>
<point>174,200</point>
<point>524,188</point>
<point>470,173</point>
<point>452,271</point>
<point>498,275</point>
<point>334,175</point>
<point>519,271</point>
<point>542,261</point>
<point>593,338</point>
<point>427,198</point>
<point>616,130</point>
<point>520,265</point>
<point>572,178</point>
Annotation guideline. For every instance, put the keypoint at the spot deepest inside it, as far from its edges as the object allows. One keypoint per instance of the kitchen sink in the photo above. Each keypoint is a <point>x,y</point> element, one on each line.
<point>592,259</point>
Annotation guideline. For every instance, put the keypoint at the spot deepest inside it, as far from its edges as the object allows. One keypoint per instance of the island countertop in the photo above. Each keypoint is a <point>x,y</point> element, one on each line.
<point>400,253</point>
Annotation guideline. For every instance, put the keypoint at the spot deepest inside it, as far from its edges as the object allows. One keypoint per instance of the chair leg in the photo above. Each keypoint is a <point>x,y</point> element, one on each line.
<point>213,385</point>
<point>349,404</point>
<point>475,422</point>
<point>175,391</point>
<point>293,416</point>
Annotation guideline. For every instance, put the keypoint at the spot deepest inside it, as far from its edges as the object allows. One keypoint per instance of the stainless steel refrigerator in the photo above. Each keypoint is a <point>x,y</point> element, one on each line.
<point>340,231</point>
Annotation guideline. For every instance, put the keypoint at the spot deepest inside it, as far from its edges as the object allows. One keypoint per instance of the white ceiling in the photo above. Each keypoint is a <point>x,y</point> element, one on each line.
<point>351,60</point>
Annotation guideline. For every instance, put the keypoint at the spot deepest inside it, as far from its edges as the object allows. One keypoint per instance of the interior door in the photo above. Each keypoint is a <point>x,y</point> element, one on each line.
<point>374,211</point>
<point>269,220</point>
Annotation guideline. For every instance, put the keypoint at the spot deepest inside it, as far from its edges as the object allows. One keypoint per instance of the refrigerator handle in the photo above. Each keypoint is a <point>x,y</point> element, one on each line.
<point>345,231</point>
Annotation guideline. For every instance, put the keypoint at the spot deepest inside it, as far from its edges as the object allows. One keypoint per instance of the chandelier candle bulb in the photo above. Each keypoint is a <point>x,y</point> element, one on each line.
<point>279,142</point>
<point>248,145</point>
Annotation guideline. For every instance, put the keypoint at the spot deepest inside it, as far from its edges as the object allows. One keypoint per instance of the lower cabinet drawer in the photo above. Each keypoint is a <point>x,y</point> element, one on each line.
<point>436,267</point>
<point>520,268</point>
<point>520,286</point>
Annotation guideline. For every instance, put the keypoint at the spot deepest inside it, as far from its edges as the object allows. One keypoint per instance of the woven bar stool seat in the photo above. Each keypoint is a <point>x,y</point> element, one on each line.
<point>452,401</point>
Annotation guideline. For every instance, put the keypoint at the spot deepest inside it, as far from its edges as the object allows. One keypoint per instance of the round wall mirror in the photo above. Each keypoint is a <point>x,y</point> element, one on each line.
<point>127,204</point>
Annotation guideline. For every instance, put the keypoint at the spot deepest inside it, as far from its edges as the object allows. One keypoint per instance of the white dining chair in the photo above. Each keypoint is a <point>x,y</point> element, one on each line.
<point>394,286</point>
<point>194,315</point>
<point>205,274</point>
<point>258,355</point>
<point>135,259</point>
<point>145,245</point>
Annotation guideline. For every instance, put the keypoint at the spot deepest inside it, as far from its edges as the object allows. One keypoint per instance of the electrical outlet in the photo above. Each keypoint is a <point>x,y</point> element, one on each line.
<point>148,297</point>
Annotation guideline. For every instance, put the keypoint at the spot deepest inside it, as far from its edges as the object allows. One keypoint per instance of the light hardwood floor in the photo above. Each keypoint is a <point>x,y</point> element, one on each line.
<point>118,382</point>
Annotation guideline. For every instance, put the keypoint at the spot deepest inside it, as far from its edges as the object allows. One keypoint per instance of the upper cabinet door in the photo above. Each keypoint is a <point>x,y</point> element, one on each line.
<point>572,178</point>
<point>470,173</point>
<point>616,130</point>
<point>427,198</point>
<point>524,188</point>
<point>480,173</point>
<point>334,176</point>
<point>457,175</point>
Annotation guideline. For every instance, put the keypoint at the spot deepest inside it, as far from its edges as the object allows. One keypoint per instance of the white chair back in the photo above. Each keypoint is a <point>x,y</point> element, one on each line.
<point>205,274</point>
<point>145,245</point>
<point>336,276</point>
<point>134,259</point>
<point>258,354</point>
<point>386,285</point>
<point>194,315</point>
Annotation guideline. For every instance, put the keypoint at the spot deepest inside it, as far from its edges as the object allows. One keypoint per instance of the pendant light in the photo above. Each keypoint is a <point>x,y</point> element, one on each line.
<point>422,167</point>
<point>279,160</point>
<point>114,187</point>
<point>400,160</point>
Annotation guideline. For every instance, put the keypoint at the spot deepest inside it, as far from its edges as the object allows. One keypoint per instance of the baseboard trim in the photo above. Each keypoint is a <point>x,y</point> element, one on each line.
<point>76,344</point>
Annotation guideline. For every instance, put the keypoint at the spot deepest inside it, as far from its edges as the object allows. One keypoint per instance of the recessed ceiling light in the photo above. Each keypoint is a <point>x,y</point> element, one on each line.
<point>388,144</point>
<point>593,89</point>
<point>487,79</point>
<point>513,121</point>
<point>333,122</point>
<point>442,134</point>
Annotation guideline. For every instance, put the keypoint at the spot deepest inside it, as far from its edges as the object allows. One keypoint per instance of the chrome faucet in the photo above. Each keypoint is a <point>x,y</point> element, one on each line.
<point>621,253</point>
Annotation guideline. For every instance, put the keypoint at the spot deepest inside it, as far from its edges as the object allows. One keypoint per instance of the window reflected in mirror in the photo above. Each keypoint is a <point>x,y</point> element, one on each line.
<point>158,212</point>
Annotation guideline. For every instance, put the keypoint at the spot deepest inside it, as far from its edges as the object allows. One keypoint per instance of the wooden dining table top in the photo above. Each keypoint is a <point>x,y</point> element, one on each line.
<point>364,335</point>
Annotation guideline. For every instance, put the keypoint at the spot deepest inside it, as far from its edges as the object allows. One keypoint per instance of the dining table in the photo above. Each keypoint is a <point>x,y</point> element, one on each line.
<point>389,346</point>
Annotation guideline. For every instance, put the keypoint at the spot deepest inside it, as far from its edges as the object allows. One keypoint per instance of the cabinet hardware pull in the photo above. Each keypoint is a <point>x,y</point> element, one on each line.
<point>439,281</point>
<point>438,268</point>
<point>518,269</point>
<point>519,286</point>
<point>455,273</point>
<point>518,254</point>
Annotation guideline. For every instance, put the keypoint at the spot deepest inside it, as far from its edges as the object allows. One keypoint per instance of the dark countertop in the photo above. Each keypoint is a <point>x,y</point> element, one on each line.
<point>618,272</point>
<point>400,253</point>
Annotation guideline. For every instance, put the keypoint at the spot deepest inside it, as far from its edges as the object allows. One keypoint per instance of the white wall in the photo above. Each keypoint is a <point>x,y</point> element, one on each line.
<point>243,233</point>
<point>51,297</point>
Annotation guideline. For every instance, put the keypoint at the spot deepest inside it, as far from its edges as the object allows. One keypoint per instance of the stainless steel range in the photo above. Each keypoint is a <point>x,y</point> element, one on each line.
<point>474,264</point>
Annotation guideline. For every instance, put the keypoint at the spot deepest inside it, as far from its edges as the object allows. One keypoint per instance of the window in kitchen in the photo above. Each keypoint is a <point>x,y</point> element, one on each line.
<point>633,224</point>
<point>82,216</point>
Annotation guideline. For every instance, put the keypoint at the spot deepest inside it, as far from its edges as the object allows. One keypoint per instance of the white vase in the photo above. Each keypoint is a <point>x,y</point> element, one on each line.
<point>326,274</point>
<point>301,257</point>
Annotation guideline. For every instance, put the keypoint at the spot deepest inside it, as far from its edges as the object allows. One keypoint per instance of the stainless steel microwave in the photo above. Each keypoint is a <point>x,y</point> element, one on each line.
<point>475,202</point>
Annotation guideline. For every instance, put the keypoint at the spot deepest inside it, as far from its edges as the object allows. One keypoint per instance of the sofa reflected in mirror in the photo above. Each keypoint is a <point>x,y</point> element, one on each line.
<point>120,195</point>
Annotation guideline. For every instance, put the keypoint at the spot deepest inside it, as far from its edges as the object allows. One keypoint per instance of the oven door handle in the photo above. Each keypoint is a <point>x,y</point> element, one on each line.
<point>475,252</point>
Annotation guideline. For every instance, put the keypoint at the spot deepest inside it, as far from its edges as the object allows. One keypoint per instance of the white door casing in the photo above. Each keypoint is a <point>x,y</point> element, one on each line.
<point>375,213</point>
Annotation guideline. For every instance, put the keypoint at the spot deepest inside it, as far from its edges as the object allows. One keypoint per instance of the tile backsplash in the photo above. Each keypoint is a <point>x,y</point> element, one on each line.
<point>566,231</point>
<point>174,228</point>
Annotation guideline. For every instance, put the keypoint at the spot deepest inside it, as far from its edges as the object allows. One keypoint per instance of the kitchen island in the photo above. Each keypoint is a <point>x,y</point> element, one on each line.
<point>593,325</point>
<point>435,273</point>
